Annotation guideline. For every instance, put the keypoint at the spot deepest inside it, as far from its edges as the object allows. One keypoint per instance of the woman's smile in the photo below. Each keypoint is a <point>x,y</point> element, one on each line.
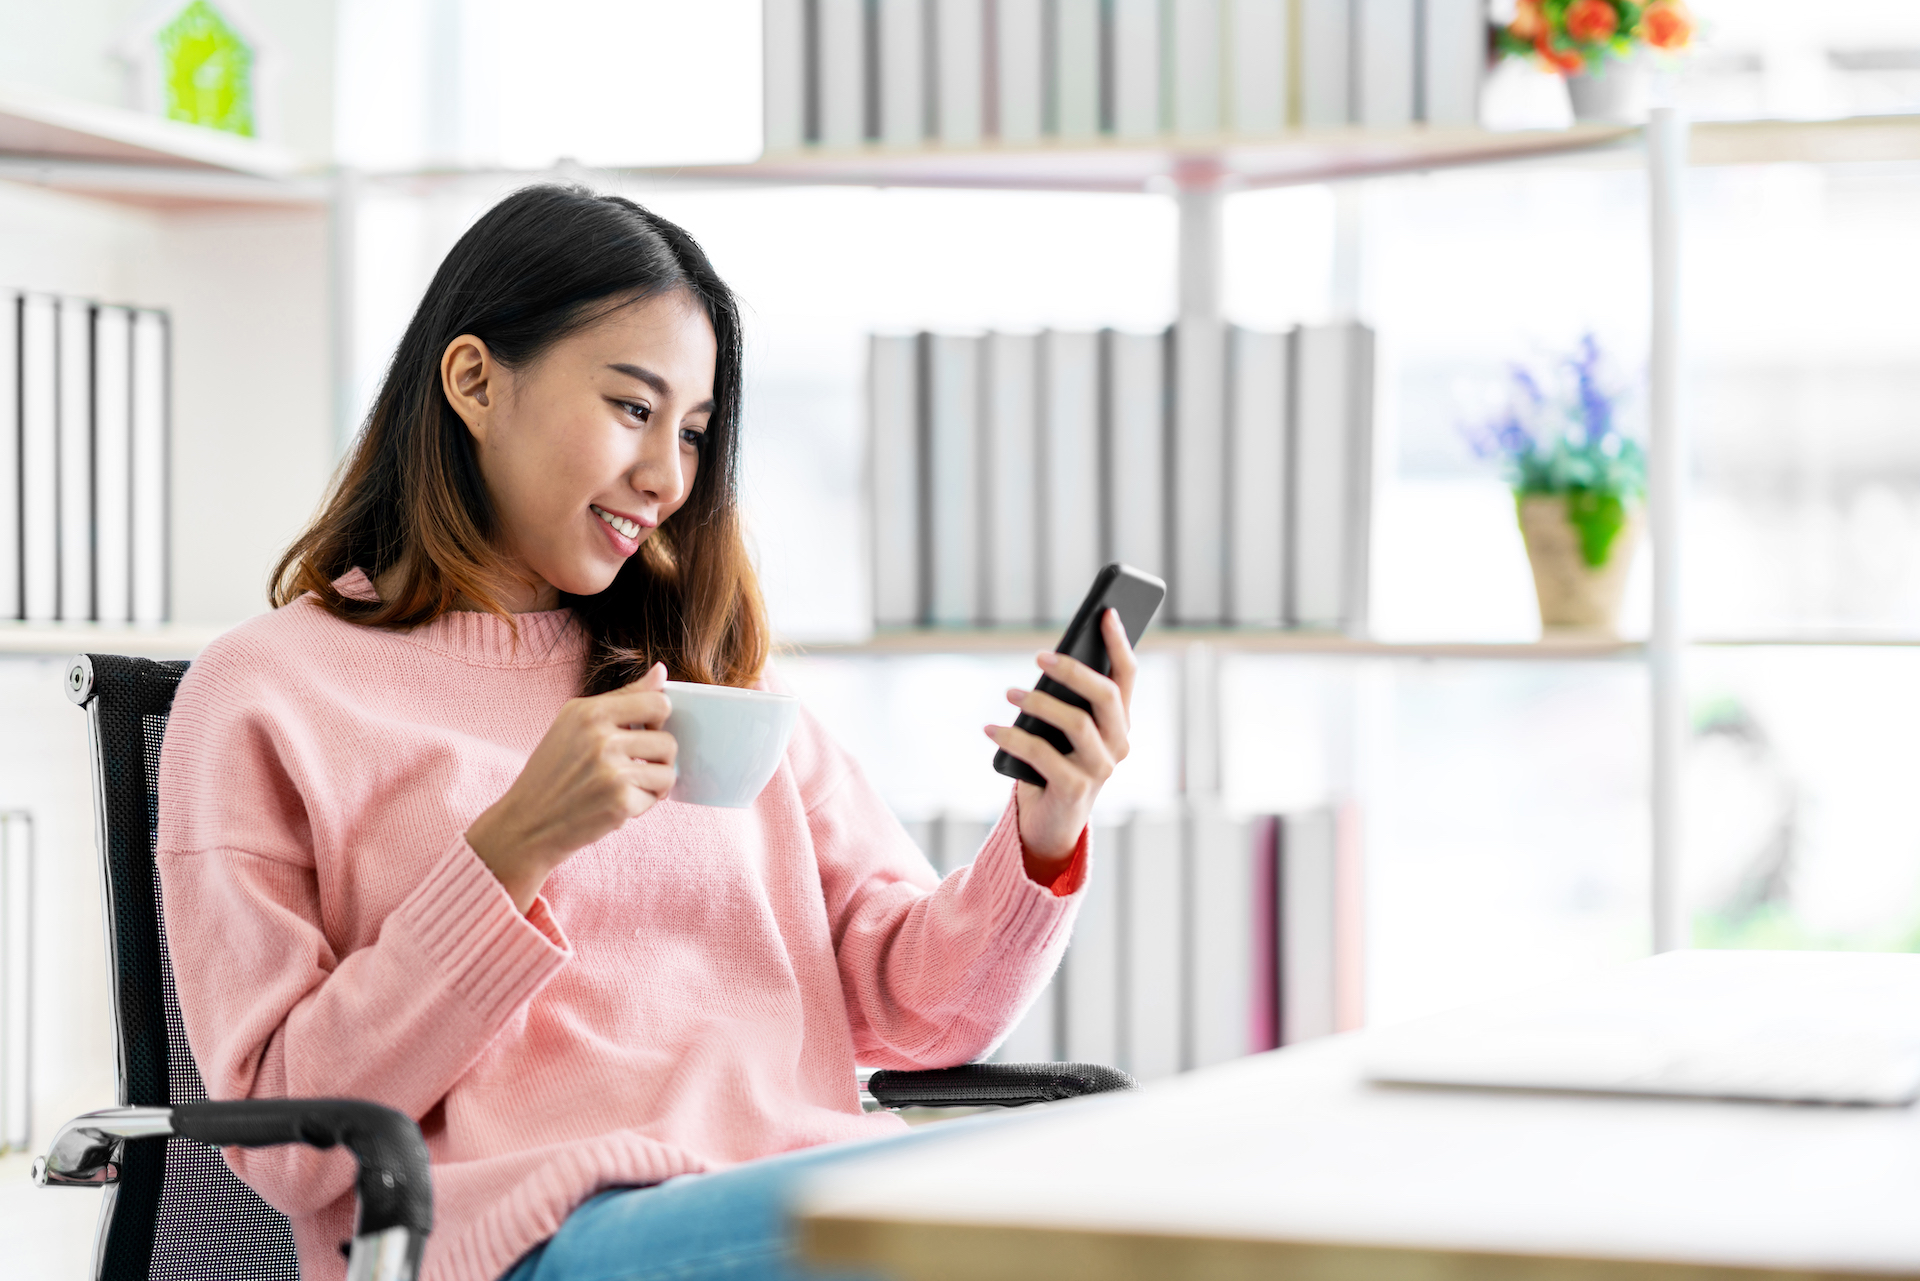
<point>625,531</point>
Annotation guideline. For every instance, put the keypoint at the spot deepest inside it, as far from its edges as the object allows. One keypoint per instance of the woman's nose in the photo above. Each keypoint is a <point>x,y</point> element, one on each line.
<point>657,471</point>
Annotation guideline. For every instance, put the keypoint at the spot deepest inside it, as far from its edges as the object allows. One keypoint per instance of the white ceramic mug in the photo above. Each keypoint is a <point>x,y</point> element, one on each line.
<point>731,741</point>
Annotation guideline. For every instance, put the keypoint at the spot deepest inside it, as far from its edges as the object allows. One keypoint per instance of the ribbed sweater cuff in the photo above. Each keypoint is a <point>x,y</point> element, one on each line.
<point>464,920</point>
<point>1030,912</point>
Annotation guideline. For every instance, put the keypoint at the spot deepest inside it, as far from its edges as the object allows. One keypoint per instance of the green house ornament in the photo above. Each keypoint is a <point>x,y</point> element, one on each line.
<point>206,70</point>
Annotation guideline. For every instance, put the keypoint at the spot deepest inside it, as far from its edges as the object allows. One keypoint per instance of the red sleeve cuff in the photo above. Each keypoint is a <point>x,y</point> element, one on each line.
<point>1069,879</point>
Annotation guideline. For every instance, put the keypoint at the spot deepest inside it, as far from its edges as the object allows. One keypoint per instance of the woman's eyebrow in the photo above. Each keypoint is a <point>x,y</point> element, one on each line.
<point>659,384</point>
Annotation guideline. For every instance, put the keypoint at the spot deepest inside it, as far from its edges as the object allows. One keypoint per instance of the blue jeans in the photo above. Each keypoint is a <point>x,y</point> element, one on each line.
<point>728,1226</point>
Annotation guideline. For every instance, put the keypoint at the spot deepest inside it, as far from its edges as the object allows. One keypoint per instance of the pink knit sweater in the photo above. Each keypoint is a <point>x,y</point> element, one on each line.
<point>692,991</point>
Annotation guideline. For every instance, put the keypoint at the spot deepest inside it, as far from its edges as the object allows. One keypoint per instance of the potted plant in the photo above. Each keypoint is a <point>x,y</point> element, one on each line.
<point>1594,45</point>
<point>1579,485</point>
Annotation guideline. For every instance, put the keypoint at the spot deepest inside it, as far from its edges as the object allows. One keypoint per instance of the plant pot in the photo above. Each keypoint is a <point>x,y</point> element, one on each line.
<point>1575,594</point>
<point>1614,93</point>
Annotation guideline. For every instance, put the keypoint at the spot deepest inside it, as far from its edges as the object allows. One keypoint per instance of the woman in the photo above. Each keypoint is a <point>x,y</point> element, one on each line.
<point>413,838</point>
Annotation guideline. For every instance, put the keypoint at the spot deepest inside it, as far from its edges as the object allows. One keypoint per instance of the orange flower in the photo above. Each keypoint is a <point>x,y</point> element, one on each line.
<point>1591,20</point>
<point>1528,22</point>
<point>1666,25</point>
<point>1566,62</point>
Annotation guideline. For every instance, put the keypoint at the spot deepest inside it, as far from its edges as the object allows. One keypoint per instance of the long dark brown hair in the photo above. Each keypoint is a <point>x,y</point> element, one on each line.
<point>544,263</point>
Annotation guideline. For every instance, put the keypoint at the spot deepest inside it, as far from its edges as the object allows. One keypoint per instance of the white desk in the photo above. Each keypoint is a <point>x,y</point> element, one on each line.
<point>1289,1164</point>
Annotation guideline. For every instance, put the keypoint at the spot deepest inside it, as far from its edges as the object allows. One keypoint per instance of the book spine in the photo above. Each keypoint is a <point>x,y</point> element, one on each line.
<point>1330,468</point>
<point>75,418</point>
<point>1326,62</point>
<point>1453,62</point>
<point>11,406</point>
<point>953,497</point>
<point>843,72</point>
<point>1258,65</point>
<point>1070,474</point>
<point>1151,952</point>
<point>1134,449</point>
<point>783,76</point>
<point>1220,939</point>
<point>1089,978</point>
<point>113,459</point>
<point>1386,60</point>
<point>39,459</point>
<point>894,491</point>
<point>1008,590</point>
<point>1136,68</point>
<point>1257,471</point>
<point>1195,59</point>
<point>904,49</point>
<point>1197,463</point>
<point>1074,100</point>
<point>1357,587</point>
<point>1019,47</point>
<point>959,35</point>
<point>152,590</point>
<point>1309,852</point>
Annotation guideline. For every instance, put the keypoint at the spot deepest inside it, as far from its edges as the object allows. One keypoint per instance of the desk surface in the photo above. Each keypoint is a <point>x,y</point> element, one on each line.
<point>1291,1164</point>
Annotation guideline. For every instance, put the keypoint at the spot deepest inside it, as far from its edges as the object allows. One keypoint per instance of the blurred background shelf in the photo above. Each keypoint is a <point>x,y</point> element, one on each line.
<point>1248,640</point>
<point>57,640</point>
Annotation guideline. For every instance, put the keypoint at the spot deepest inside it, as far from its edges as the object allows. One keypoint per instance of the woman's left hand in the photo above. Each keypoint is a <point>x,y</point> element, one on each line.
<point>1052,817</point>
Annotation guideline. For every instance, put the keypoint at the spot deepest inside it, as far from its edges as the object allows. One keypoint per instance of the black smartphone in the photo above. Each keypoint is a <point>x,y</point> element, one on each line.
<point>1137,595</point>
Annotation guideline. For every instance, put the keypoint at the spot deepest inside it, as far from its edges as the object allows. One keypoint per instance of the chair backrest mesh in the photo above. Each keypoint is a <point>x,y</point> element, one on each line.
<point>181,1215</point>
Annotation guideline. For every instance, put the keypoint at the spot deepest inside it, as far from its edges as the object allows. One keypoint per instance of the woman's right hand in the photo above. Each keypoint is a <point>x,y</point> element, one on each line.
<point>604,760</point>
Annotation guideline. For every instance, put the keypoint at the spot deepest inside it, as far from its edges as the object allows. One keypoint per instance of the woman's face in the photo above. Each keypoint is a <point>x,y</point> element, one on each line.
<point>589,448</point>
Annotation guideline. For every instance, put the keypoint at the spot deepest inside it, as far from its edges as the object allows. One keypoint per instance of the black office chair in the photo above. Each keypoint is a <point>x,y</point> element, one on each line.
<point>174,1211</point>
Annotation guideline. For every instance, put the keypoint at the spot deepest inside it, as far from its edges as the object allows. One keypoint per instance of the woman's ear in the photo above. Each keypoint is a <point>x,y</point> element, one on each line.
<point>469,377</point>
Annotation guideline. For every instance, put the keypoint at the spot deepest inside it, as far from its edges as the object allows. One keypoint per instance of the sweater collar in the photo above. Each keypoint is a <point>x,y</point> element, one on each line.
<point>547,638</point>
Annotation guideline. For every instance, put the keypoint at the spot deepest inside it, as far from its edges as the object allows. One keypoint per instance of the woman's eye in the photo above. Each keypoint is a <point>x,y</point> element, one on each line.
<point>636,411</point>
<point>694,436</point>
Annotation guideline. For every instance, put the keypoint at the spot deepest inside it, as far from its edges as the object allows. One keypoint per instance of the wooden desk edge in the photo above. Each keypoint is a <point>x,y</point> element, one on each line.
<point>939,1251</point>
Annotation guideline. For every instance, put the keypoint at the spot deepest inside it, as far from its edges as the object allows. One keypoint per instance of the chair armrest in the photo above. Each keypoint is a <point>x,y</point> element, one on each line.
<point>394,1187</point>
<point>974,1085</point>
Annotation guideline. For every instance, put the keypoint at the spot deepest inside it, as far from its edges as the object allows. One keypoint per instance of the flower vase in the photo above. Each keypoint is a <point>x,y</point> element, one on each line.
<point>1580,558</point>
<point>1610,93</point>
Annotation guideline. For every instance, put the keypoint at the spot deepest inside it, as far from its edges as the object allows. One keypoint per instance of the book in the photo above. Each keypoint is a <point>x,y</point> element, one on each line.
<point>150,433</point>
<point>784,75</point>
<point>1258,368</point>
<point>1306,915</point>
<point>1152,916</point>
<point>842,71</point>
<point>952,371</point>
<point>1224,919</point>
<point>959,31</point>
<point>1073,86</point>
<point>1326,62</point>
<point>1257,65</point>
<point>10,308</point>
<point>1194,60</point>
<point>73,404</point>
<point>1453,61</point>
<point>1089,977</point>
<point>1009,592</point>
<point>1020,79</point>
<point>1134,450</point>
<point>903,53</point>
<point>16,980</point>
<point>39,412</point>
<point>1386,48</point>
<point>1263,839</point>
<point>1134,69</point>
<point>113,464</point>
<point>1331,473</point>
<point>894,483</point>
<point>1198,475</point>
<point>1068,370</point>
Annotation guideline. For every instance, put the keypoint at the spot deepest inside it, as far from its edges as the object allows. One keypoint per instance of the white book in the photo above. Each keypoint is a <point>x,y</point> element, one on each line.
<point>959,38</point>
<point>894,484</point>
<point>1089,978</point>
<point>843,72</point>
<point>1135,450</point>
<point>1386,48</point>
<point>1020,44</point>
<point>1257,404</point>
<point>1197,586</point>
<point>1069,516</point>
<point>40,458</point>
<point>1152,915</point>
<point>1074,106</point>
<point>10,305</point>
<point>1309,854</point>
<point>1225,911</point>
<point>1195,60</point>
<point>1257,61</point>
<point>903,81</point>
<point>16,989</point>
<point>952,470</point>
<point>1136,68</point>
<point>1453,61</point>
<point>151,486</point>
<point>75,415</point>
<point>113,464</point>
<point>1331,471</point>
<point>1326,62</point>
<point>1009,590</point>
<point>783,75</point>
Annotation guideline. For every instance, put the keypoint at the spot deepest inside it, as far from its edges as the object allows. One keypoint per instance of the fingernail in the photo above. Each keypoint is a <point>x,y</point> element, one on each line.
<point>1016,695</point>
<point>1047,659</point>
<point>988,730</point>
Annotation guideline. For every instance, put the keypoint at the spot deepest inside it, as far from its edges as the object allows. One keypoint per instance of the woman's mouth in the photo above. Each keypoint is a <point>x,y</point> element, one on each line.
<point>624,530</point>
